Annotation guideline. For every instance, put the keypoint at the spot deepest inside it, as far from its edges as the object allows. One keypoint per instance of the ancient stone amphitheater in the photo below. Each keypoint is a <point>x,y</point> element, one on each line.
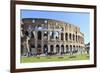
<point>50,37</point>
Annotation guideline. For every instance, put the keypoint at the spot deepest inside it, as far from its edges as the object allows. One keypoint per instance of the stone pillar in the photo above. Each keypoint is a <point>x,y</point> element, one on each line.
<point>48,48</point>
<point>78,50</point>
<point>72,50</point>
<point>65,48</point>
<point>48,35</point>
<point>36,41</point>
<point>54,48</point>
<point>64,36</point>
<point>59,35</point>
<point>68,49</point>
<point>68,37</point>
<point>60,49</point>
<point>78,38</point>
<point>42,41</point>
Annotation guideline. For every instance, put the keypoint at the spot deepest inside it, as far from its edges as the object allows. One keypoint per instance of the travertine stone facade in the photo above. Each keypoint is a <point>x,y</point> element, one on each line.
<point>48,36</point>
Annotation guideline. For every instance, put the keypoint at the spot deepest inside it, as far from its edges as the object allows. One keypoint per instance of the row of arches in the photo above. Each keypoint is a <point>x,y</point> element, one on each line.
<point>55,35</point>
<point>53,49</point>
<point>67,36</point>
<point>64,49</point>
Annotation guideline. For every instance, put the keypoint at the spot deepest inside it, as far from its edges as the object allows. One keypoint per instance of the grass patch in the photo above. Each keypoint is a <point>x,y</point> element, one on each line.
<point>54,58</point>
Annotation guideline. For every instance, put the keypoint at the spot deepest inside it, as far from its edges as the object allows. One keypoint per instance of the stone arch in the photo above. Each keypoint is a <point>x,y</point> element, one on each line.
<point>67,49</point>
<point>39,34</point>
<point>62,34</point>
<point>77,48</point>
<point>45,48</point>
<point>70,36</point>
<point>45,35</point>
<point>66,36</point>
<point>62,49</point>
<point>76,38</point>
<point>57,48</point>
<point>51,48</point>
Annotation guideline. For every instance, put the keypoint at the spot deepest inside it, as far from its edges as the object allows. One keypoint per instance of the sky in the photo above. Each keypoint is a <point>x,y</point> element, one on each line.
<point>80,19</point>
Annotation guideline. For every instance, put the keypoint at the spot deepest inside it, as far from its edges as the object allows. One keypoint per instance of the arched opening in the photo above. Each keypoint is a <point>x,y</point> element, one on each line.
<point>39,35</point>
<point>70,36</point>
<point>51,48</point>
<point>66,37</point>
<point>45,36</point>
<point>39,46</point>
<point>77,48</point>
<point>62,49</point>
<point>67,49</point>
<point>76,38</point>
<point>45,48</point>
<point>62,36</point>
<point>52,35</point>
<point>57,49</point>
<point>32,46</point>
<point>56,35</point>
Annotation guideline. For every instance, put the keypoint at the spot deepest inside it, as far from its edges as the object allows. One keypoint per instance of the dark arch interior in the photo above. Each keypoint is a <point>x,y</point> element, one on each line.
<point>70,36</point>
<point>62,36</point>
<point>39,46</point>
<point>66,36</point>
<point>57,48</point>
<point>51,48</point>
<point>67,49</point>
<point>62,48</point>
<point>70,47</point>
<point>39,35</point>
<point>45,48</point>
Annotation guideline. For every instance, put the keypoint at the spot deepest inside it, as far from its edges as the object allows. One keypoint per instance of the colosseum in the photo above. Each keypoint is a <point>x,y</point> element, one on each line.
<point>40,36</point>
